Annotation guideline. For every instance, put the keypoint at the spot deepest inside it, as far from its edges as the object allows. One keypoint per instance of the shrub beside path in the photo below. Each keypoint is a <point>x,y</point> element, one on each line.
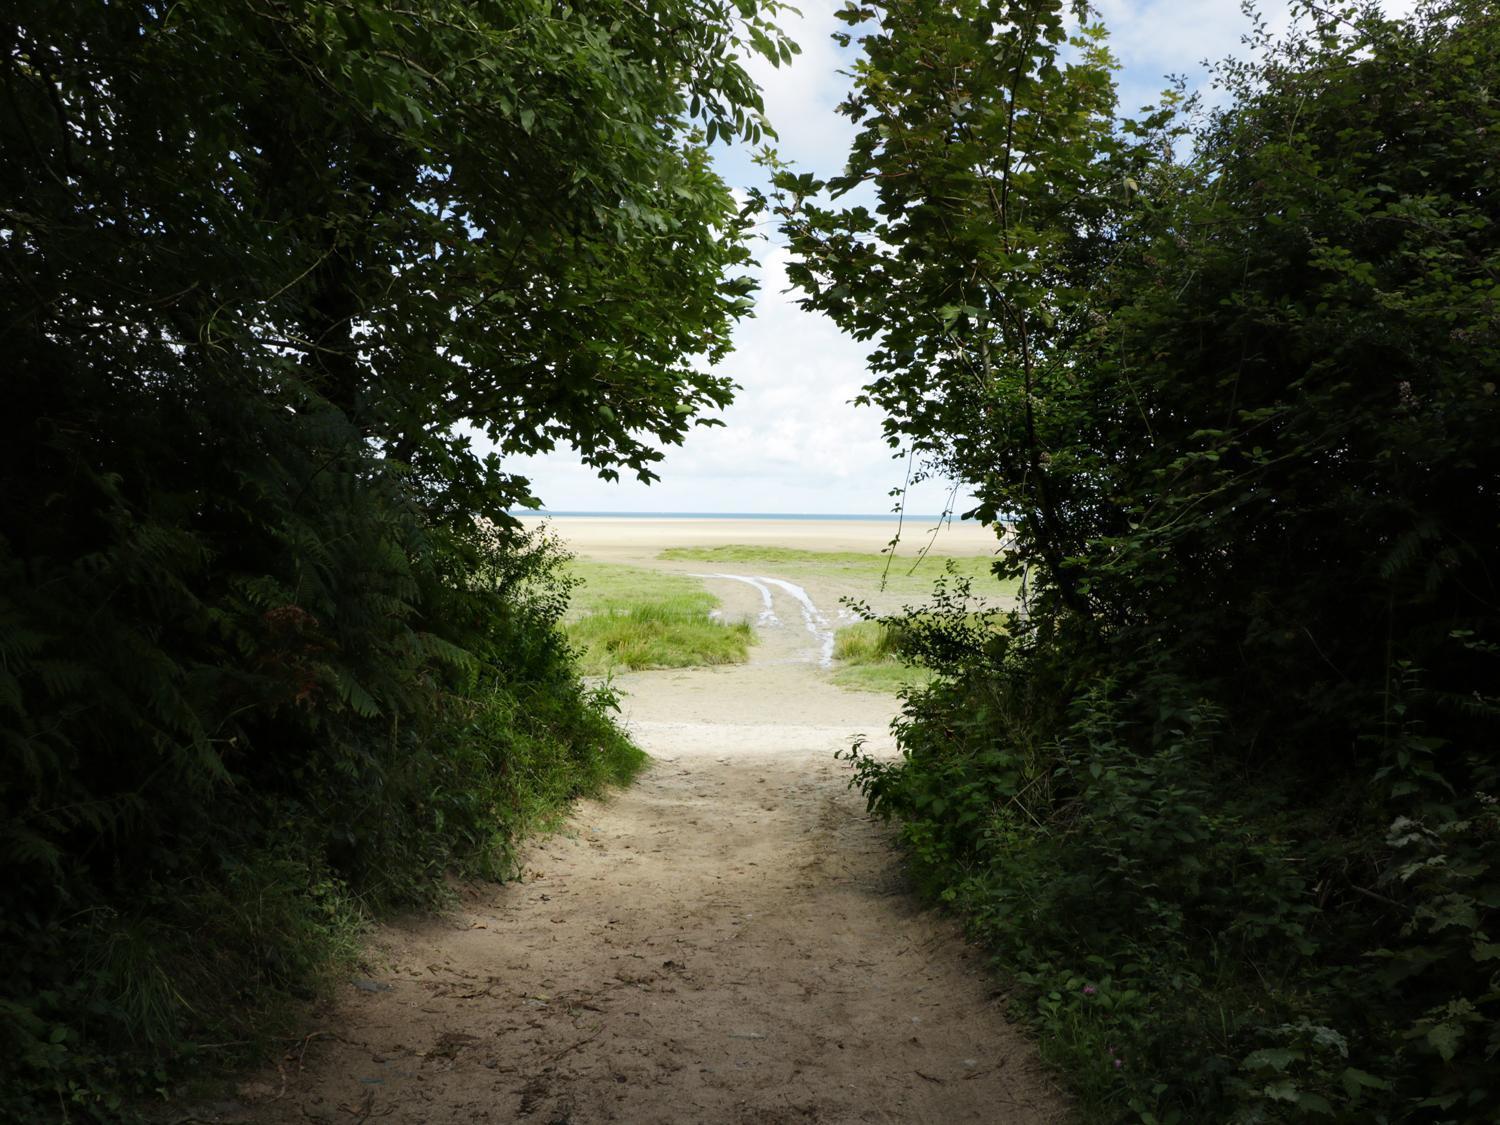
<point>730,940</point>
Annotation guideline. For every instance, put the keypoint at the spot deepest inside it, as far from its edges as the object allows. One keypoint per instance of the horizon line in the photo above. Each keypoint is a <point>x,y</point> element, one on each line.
<point>602,513</point>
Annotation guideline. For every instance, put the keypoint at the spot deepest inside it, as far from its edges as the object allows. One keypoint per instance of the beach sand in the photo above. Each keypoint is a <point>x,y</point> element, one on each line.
<point>640,538</point>
<point>730,939</point>
<point>639,541</point>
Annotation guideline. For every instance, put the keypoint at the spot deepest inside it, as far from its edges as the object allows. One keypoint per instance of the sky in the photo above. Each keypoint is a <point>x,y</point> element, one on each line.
<point>792,442</point>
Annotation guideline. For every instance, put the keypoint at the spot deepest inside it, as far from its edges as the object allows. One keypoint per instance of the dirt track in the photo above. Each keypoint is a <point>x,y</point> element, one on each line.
<point>729,940</point>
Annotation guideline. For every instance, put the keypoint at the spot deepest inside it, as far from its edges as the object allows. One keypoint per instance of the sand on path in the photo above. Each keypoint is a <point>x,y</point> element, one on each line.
<point>729,940</point>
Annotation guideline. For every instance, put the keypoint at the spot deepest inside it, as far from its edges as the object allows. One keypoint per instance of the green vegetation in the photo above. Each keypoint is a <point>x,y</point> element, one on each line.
<point>877,654</point>
<point>1224,800</point>
<point>868,642</point>
<point>868,656</point>
<point>618,588</point>
<point>659,635</point>
<point>905,574</point>
<point>626,617</point>
<point>273,658</point>
<point>219,945</point>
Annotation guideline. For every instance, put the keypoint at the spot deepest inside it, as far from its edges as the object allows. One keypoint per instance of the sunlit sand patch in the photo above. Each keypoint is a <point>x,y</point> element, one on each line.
<point>768,614</point>
<point>812,617</point>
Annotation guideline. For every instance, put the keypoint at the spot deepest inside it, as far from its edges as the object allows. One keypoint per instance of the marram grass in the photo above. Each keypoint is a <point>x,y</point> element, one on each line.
<point>625,618</point>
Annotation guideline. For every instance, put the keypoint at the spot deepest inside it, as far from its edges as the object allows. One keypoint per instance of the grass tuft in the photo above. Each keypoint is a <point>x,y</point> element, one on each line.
<point>867,642</point>
<point>626,617</point>
<point>869,659</point>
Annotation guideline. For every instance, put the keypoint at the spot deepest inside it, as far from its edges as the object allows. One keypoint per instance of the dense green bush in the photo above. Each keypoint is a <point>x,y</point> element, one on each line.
<point>184,912</point>
<point>1222,792</point>
<point>272,655</point>
<point>1198,941</point>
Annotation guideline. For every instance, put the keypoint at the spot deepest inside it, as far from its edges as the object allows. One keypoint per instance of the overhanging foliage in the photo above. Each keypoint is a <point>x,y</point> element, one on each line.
<point>1224,799</point>
<point>262,624</point>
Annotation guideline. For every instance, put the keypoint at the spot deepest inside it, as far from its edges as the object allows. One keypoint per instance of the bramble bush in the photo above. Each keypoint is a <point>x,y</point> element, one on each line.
<point>1192,946</point>
<point>1220,793</point>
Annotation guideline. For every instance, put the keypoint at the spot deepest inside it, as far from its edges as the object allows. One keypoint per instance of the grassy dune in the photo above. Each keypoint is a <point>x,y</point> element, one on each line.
<point>904,575</point>
<point>626,617</point>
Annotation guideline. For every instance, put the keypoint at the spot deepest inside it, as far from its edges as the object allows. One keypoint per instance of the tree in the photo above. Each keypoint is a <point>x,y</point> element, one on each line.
<point>500,213</point>
<point>266,262</point>
<point>1000,183</point>
<point>1240,405</point>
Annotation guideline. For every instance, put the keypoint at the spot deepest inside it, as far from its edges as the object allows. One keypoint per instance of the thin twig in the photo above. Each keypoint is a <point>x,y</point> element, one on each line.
<point>573,1047</point>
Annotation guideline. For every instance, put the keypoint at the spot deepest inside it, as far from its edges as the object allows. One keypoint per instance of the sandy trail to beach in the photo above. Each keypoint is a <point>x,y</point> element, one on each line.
<point>729,940</point>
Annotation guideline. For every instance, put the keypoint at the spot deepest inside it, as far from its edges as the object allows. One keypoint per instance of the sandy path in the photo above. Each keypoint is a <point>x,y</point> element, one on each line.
<point>727,941</point>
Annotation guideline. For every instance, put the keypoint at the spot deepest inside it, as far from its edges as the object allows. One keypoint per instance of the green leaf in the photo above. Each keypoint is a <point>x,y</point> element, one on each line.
<point>1272,1058</point>
<point>1356,1080</point>
<point>1445,1038</point>
<point>1283,1090</point>
<point>1314,1103</point>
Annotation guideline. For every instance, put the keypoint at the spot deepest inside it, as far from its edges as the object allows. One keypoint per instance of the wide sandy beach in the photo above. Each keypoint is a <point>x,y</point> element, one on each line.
<point>635,538</point>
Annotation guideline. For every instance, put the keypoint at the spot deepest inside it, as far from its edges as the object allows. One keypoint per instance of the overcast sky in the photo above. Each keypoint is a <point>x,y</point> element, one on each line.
<point>791,441</point>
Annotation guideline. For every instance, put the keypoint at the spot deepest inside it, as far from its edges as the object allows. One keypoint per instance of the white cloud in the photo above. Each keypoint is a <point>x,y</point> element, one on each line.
<point>791,442</point>
<point>800,98</point>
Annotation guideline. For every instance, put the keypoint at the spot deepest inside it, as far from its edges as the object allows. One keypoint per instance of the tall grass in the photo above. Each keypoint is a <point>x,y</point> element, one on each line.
<point>625,617</point>
<point>868,657</point>
<point>867,642</point>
